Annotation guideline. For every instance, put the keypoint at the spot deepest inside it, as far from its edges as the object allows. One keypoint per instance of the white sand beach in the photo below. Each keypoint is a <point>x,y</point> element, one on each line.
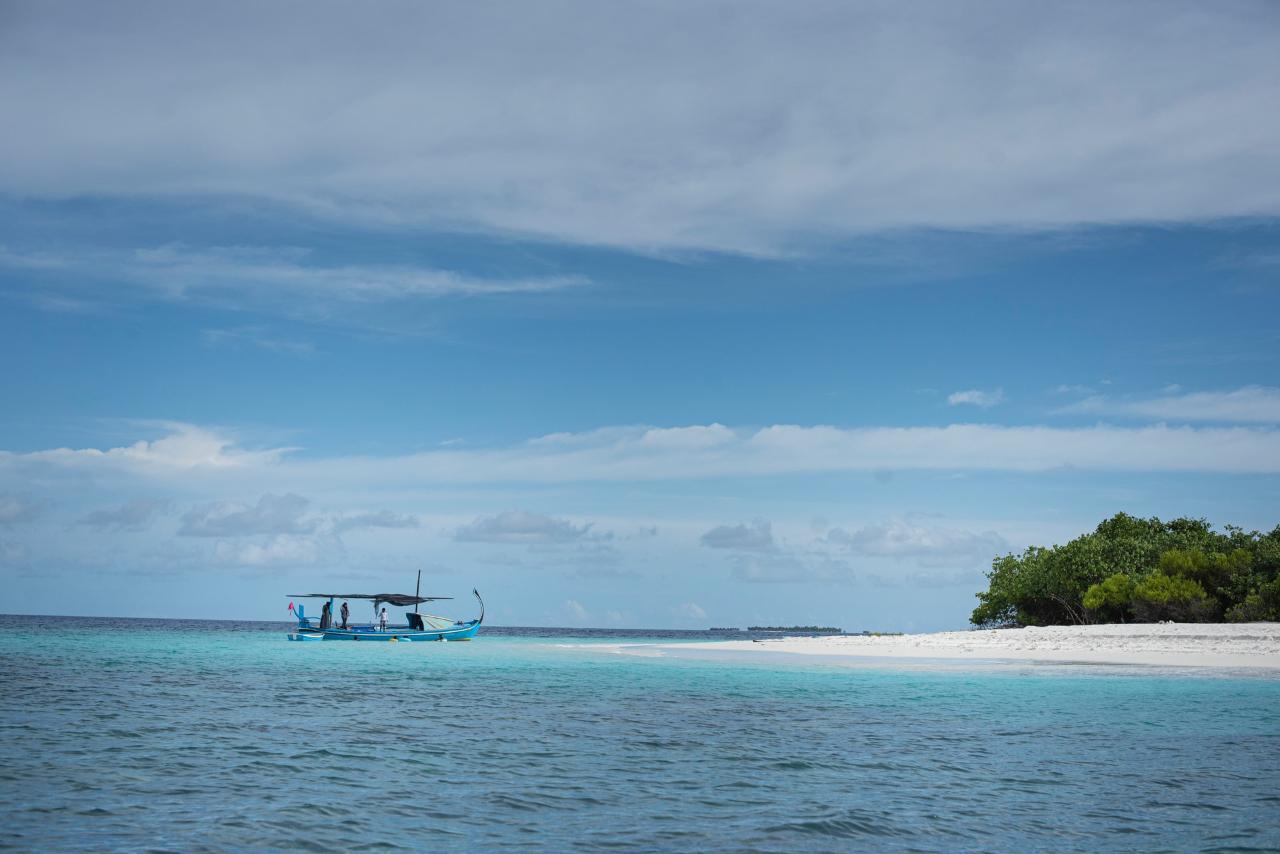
<point>1227,645</point>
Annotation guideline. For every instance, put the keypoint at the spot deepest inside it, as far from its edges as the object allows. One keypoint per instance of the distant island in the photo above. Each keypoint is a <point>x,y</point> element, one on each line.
<point>1133,570</point>
<point>724,629</point>
<point>813,630</point>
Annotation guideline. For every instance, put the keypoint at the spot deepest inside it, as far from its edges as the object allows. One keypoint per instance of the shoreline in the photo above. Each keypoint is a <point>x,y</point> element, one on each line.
<point>1191,645</point>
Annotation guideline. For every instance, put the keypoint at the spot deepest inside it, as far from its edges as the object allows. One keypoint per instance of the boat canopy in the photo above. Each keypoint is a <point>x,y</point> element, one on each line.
<point>398,600</point>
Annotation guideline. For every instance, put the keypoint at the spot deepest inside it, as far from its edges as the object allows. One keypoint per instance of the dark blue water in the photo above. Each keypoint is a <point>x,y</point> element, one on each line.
<point>154,735</point>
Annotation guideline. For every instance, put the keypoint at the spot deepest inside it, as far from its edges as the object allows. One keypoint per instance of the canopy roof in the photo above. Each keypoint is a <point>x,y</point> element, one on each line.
<point>397,599</point>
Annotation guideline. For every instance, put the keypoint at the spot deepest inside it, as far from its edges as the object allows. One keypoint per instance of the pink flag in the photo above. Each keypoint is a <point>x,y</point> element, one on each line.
<point>290,606</point>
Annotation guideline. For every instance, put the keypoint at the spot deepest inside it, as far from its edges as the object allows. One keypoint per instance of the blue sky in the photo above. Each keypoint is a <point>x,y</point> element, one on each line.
<point>675,316</point>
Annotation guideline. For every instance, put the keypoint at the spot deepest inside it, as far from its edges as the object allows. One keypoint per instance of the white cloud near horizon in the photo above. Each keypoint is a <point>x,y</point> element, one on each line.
<point>273,514</point>
<point>825,554</point>
<point>689,611</point>
<point>380,519</point>
<point>643,454</point>
<point>928,545</point>
<point>279,530</point>
<point>789,568</point>
<point>280,550</point>
<point>1249,404</point>
<point>746,127</point>
<point>756,537</point>
<point>136,515</point>
<point>521,527</point>
<point>16,509</point>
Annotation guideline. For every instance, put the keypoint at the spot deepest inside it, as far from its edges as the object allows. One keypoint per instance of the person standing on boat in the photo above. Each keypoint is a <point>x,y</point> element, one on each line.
<point>382,620</point>
<point>346,612</point>
<point>326,615</point>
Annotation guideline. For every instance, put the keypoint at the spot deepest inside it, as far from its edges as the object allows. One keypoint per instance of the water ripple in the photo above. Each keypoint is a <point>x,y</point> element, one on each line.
<point>143,735</point>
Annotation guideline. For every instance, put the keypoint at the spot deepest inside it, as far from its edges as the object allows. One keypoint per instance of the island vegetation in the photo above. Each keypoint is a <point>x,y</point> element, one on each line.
<point>1131,569</point>
<point>812,630</point>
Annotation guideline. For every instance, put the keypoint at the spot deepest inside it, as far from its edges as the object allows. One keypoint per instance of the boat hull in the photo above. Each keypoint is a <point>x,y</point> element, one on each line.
<point>459,632</point>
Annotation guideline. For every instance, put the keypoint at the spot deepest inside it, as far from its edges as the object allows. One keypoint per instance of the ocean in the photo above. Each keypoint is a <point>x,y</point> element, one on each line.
<point>152,735</point>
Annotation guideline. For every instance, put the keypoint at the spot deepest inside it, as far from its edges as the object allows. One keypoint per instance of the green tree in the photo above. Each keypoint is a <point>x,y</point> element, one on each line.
<point>1219,574</point>
<point>1163,597</point>
<point>1110,598</point>
<point>1181,569</point>
<point>1262,605</point>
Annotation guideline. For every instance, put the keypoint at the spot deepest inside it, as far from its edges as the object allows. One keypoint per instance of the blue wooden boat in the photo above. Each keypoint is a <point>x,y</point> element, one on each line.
<point>417,626</point>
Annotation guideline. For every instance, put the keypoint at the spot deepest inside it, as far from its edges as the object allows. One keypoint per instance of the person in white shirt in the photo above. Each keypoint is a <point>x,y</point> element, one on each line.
<point>382,620</point>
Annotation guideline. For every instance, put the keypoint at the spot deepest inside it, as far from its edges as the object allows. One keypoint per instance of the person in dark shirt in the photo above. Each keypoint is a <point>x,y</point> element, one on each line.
<point>326,615</point>
<point>346,612</point>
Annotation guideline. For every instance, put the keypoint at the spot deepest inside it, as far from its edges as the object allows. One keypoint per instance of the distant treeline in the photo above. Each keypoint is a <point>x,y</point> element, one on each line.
<point>1138,570</point>
<point>829,630</point>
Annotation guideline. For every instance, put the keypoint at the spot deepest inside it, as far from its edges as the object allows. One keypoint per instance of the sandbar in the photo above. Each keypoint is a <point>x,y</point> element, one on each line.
<point>1202,645</point>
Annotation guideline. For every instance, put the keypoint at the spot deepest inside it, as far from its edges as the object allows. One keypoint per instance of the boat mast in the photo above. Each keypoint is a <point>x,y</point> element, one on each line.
<point>417,591</point>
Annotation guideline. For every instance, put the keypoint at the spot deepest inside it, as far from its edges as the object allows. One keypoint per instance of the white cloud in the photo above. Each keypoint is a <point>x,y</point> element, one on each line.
<point>13,553</point>
<point>927,545</point>
<point>136,515</point>
<point>792,567</point>
<point>575,610</point>
<point>15,509</point>
<point>1249,404</point>
<point>740,127</point>
<point>380,519</point>
<point>184,447</point>
<point>273,514</point>
<point>280,276</point>
<point>758,537</point>
<point>256,336</point>
<point>689,611</point>
<point>977,397</point>
<point>522,527</point>
<point>191,454</point>
<point>972,579</point>
<point>277,551</point>
<point>686,438</point>
<point>754,555</point>
<point>280,530</point>
<point>179,269</point>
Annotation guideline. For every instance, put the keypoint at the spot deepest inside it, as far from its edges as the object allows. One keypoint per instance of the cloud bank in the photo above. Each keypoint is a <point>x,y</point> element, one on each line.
<point>741,127</point>
<point>273,514</point>
<point>757,537</point>
<point>16,509</point>
<point>136,515</point>
<point>521,527</point>
<point>647,454</point>
<point>1250,404</point>
<point>928,545</point>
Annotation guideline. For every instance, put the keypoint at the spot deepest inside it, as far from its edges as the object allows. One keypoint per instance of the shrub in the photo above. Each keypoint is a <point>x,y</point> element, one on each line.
<point>1161,597</point>
<point>1110,599</point>
<point>1262,605</point>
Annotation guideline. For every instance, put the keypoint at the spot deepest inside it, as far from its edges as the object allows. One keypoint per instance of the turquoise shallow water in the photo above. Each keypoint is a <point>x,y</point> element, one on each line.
<point>148,735</point>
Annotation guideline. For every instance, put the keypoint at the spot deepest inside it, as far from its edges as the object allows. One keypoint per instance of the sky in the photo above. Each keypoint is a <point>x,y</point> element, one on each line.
<point>628,315</point>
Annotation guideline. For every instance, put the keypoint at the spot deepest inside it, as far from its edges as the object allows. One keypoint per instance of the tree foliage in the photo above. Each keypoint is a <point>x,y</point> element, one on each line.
<point>1130,568</point>
<point>1111,598</point>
